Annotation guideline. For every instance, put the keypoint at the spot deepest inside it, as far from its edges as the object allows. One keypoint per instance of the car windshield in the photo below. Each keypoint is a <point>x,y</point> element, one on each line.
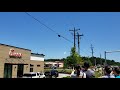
<point>41,73</point>
<point>29,75</point>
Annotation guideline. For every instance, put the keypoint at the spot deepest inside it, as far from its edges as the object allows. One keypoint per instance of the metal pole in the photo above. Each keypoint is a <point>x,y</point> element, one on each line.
<point>100,59</point>
<point>105,58</point>
<point>78,36</point>
<point>78,43</point>
<point>74,31</point>
<point>74,38</point>
<point>95,62</point>
<point>109,52</point>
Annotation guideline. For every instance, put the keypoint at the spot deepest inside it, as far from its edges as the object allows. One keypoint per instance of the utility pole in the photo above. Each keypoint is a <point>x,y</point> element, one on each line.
<point>78,37</point>
<point>92,49</point>
<point>105,58</point>
<point>100,59</point>
<point>92,53</point>
<point>74,31</point>
<point>102,73</point>
<point>109,52</point>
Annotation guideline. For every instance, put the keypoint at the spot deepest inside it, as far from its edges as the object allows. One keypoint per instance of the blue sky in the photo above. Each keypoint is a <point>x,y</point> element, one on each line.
<point>101,29</point>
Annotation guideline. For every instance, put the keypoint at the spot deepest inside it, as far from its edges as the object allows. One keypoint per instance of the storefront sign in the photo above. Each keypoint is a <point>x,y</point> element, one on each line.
<point>13,54</point>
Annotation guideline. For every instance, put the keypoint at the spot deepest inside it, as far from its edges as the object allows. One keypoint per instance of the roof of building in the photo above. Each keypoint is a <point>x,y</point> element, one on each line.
<point>37,54</point>
<point>21,48</point>
<point>14,47</point>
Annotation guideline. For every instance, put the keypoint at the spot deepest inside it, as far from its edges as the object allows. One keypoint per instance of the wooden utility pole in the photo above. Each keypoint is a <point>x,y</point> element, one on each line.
<point>74,31</point>
<point>92,53</point>
<point>78,37</point>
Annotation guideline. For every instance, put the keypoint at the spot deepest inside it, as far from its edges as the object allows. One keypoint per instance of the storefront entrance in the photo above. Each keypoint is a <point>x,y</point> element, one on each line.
<point>20,70</point>
<point>7,70</point>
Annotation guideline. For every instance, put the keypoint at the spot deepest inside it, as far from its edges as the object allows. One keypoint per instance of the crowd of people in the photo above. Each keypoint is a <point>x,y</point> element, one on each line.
<point>86,72</point>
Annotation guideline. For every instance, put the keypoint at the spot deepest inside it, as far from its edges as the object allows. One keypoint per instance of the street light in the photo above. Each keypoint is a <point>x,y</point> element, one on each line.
<point>109,52</point>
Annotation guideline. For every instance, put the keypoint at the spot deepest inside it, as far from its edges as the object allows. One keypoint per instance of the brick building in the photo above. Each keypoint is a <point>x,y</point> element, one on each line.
<point>15,61</point>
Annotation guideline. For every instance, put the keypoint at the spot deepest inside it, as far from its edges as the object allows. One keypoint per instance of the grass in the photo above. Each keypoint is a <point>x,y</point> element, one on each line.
<point>67,71</point>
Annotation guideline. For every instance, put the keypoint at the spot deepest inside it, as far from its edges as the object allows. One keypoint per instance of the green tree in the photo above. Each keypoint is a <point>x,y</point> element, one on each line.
<point>90,62</point>
<point>73,59</point>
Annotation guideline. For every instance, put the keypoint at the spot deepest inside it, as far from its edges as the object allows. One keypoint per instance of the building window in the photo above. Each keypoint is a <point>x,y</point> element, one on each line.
<point>31,69</point>
<point>31,65</point>
<point>38,65</point>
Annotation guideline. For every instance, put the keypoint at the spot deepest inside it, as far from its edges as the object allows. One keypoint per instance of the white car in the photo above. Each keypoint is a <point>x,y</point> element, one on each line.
<point>41,75</point>
<point>33,75</point>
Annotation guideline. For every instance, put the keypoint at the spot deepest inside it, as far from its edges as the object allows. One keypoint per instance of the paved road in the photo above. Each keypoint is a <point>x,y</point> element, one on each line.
<point>61,75</point>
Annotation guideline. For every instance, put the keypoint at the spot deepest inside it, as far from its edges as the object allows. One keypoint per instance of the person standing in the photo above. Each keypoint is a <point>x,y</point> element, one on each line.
<point>107,72</point>
<point>82,73</point>
<point>78,72</point>
<point>89,73</point>
<point>116,72</point>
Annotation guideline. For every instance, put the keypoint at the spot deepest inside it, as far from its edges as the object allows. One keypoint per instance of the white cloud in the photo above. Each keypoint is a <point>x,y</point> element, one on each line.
<point>64,52</point>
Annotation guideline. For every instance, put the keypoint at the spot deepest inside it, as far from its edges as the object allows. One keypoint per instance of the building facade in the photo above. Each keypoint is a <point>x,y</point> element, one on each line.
<point>58,64</point>
<point>36,62</point>
<point>15,61</point>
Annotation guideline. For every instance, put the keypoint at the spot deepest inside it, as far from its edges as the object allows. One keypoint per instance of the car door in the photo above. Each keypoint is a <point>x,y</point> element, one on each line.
<point>41,75</point>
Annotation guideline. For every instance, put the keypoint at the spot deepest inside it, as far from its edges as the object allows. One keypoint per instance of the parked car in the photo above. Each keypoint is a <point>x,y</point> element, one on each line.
<point>47,74</point>
<point>42,75</point>
<point>33,75</point>
<point>52,73</point>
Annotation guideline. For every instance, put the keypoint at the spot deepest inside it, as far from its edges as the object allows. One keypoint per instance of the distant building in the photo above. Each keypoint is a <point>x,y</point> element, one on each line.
<point>58,64</point>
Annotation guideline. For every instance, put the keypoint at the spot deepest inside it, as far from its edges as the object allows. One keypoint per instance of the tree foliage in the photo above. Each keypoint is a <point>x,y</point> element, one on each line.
<point>73,59</point>
<point>100,61</point>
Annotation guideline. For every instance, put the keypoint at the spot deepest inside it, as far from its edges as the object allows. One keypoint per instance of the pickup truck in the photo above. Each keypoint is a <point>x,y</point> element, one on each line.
<point>33,75</point>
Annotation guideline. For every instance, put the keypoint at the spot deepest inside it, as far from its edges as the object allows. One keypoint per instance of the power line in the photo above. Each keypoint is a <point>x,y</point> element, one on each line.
<point>47,27</point>
<point>86,40</point>
<point>40,22</point>
<point>89,42</point>
<point>85,52</point>
<point>50,28</point>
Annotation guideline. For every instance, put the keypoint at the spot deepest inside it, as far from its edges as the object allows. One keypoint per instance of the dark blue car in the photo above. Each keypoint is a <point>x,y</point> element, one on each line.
<point>54,73</point>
